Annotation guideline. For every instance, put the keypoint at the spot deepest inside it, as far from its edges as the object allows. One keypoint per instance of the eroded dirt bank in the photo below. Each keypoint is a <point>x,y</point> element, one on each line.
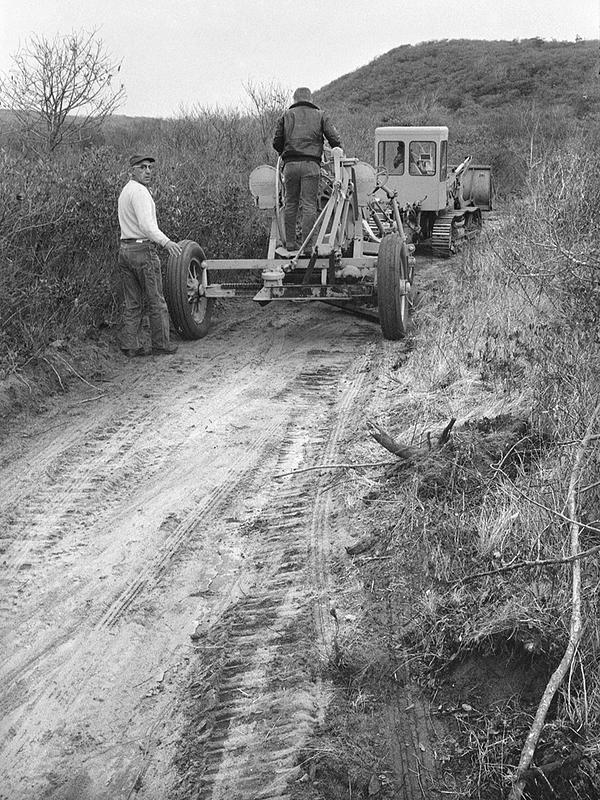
<point>169,605</point>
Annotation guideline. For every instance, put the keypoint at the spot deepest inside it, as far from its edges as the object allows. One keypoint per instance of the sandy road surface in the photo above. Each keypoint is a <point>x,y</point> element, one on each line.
<point>164,598</point>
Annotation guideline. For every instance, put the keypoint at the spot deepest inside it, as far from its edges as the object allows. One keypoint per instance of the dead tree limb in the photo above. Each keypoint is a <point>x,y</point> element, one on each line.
<point>336,466</point>
<point>445,434</point>
<point>407,452</point>
<point>527,753</point>
<point>390,444</point>
<point>540,562</point>
<point>589,528</point>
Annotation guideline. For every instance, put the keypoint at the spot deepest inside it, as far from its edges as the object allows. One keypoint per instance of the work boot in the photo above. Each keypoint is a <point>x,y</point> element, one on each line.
<point>167,350</point>
<point>130,352</point>
<point>286,252</point>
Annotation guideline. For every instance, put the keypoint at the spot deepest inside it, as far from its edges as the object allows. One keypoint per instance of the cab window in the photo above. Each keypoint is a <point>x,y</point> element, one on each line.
<point>421,158</point>
<point>391,156</point>
<point>443,161</point>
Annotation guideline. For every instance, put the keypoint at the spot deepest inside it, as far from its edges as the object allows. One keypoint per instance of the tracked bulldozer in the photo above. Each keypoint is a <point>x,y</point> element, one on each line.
<point>441,205</point>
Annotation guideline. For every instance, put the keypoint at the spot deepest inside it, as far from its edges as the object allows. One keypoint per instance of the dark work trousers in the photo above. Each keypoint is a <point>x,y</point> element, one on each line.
<point>141,279</point>
<point>301,186</point>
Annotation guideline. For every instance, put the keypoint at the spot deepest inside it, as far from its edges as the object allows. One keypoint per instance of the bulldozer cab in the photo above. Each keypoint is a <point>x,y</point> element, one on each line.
<point>416,162</point>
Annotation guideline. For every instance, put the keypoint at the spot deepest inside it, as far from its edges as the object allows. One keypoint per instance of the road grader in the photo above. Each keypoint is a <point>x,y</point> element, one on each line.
<point>360,253</point>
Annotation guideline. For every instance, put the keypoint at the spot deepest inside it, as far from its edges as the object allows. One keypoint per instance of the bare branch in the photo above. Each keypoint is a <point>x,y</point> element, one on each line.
<point>528,751</point>
<point>589,528</point>
<point>540,562</point>
<point>407,452</point>
<point>60,90</point>
<point>337,466</point>
<point>390,444</point>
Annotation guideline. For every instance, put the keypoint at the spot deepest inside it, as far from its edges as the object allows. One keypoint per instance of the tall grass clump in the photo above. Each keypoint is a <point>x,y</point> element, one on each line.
<point>507,342</point>
<point>56,247</point>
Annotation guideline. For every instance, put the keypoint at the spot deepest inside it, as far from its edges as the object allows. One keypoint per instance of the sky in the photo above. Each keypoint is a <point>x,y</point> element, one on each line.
<point>181,54</point>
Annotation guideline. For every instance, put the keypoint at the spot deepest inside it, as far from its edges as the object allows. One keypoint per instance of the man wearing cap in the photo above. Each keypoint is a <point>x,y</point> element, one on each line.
<point>299,141</point>
<point>139,264</point>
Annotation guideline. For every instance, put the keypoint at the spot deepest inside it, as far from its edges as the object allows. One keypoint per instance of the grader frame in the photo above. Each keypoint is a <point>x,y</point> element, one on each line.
<point>348,264</point>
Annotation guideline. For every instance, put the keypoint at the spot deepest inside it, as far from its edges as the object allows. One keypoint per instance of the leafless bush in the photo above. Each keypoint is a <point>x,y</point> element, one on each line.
<point>61,90</point>
<point>267,104</point>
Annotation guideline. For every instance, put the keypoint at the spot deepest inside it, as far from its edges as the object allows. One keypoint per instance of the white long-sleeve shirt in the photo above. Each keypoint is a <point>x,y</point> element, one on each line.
<point>137,214</point>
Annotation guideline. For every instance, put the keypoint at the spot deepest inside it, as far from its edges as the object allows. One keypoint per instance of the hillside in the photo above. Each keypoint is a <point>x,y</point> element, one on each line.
<point>462,74</point>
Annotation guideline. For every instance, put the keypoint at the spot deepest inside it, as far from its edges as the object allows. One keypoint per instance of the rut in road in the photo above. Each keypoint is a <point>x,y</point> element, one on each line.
<point>120,533</point>
<point>157,516</point>
<point>69,508</point>
<point>258,697</point>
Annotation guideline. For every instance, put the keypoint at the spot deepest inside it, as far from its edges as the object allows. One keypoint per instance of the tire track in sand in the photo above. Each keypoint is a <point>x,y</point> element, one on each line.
<point>257,694</point>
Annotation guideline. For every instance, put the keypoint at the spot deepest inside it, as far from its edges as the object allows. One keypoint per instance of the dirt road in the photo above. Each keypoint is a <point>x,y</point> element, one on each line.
<point>166,598</point>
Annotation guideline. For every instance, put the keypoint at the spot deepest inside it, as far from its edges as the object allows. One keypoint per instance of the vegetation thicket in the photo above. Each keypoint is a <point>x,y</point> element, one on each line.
<point>473,542</point>
<point>508,342</point>
<point>59,236</point>
<point>510,347</point>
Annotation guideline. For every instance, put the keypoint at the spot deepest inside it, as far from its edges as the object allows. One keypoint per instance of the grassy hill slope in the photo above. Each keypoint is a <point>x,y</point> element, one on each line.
<point>463,73</point>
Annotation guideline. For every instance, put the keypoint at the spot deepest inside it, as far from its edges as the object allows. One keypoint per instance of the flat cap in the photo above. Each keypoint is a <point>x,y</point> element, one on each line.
<point>137,159</point>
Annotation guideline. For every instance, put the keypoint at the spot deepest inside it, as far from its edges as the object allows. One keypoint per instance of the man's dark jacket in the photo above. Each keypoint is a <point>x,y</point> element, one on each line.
<point>299,133</point>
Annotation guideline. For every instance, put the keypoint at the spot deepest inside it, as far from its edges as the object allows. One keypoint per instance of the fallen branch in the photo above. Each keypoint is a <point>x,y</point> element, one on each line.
<point>541,562</point>
<point>565,442</point>
<point>337,466</point>
<point>556,513</point>
<point>527,753</point>
<point>74,371</point>
<point>390,444</point>
<point>590,486</point>
<point>407,452</point>
<point>90,399</point>
<point>53,368</point>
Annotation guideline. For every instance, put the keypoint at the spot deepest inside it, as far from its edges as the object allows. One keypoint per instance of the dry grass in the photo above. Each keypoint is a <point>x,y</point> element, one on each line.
<point>507,343</point>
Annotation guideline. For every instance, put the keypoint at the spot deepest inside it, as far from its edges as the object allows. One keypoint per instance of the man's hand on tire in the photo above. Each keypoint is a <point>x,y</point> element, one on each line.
<point>173,249</point>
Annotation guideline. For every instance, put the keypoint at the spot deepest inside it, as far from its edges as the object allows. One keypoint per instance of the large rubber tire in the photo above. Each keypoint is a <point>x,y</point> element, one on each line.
<point>392,270</point>
<point>189,309</point>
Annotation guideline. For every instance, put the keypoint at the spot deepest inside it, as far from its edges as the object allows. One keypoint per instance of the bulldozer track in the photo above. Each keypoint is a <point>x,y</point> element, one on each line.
<point>411,732</point>
<point>260,676</point>
<point>323,500</point>
<point>59,694</point>
<point>441,238</point>
<point>445,240</point>
<point>203,512</point>
<point>76,483</point>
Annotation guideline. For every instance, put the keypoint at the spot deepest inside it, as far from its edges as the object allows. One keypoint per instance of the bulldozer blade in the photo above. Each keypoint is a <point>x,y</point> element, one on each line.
<point>477,186</point>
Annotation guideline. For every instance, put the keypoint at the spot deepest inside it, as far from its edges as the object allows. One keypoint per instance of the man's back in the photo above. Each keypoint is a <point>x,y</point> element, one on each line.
<point>300,133</point>
<point>299,141</point>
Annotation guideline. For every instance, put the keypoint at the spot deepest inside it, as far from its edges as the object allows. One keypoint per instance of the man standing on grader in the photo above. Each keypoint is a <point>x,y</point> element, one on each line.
<point>299,141</point>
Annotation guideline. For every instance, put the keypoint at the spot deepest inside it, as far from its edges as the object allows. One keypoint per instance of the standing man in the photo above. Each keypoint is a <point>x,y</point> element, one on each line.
<point>139,264</point>
<point>299,141</point>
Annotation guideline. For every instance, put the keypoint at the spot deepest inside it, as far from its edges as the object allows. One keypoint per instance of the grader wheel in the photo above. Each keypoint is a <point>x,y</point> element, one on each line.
<point>393,287</point>
<point>189,308</point>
